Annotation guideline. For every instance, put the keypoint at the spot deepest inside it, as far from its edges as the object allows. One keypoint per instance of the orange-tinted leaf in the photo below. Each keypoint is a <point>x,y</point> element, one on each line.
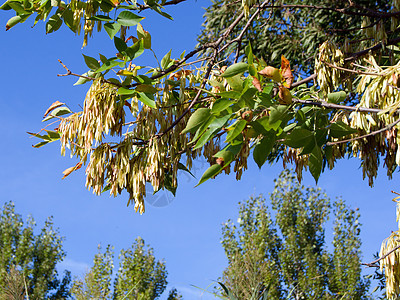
<point>134,39</point>
<point>257,84</point>
<point>70,170</point>
<point>286,72</point>
<point>53,106</point>
<point>285,97</point>
<point>271,73</point>
<point>179,74</point>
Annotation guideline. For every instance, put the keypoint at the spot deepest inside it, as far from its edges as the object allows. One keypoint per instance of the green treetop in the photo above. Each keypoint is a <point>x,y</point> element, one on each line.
<point>30,258</point>
<point>139,276</point>
<point>283,252</point>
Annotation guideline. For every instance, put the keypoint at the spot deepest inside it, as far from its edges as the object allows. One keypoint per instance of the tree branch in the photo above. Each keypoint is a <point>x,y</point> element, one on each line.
<point>373,264</point>
<point>368,13</point>
<point>388,127</point>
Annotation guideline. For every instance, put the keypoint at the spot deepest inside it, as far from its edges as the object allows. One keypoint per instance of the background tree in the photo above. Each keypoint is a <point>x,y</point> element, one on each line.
<point>31,257</point>
<point>139,276</point>
<point>291,28</point>
<point>284,251</point>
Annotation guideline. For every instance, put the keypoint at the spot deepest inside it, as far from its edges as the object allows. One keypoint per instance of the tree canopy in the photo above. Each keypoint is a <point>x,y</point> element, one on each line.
<point>283,252</point>
<point>142,124</point>
<point>139,276</point>
<point>29,260</point>
<point>306,83</point>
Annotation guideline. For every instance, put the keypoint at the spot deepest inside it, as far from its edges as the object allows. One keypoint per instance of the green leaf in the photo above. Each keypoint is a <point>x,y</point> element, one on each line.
<point>82,80</point>
<point>340,129</point>
<point>38,145</point>
<point>278,113</point>
<point>53,135</point>
<point>120,44</point>
<point>235,69</point>
<point>53,24</point>
<point>59,111</point>
<point>249,54</point>
<point>5,6</point>
<point>263,149</point>
<point>209,173</point>
<point>127,18</point>
<point>248,97</point>
<point>214,127</point>
<point>13,21</point>
<point>147,99</point>
<point>235,130</point>
<point>200,116</point>
<point>336,97</point>
<point>146,88</point>
<point>101,18</point>
<point>299,137</point>
<point>136,49</point>
<point>183,168</point>
<point>68,17</point>
<point>158,9</point>
<point>220,105</point>
<point>112,29</point>
<point>236,83</point>
<point>125,91</point>
<point>315,163</point>
<point>143,34</point>
<point>166,60</point>
<point>230,94</point>
<point>18,7</point>
<point>109,65</point>
<point>91,62</point>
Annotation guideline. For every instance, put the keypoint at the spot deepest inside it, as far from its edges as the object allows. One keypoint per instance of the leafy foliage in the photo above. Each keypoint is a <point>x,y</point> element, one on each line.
<point>288,28</point>
<point>139,276</point>
<point>140,124</point>
<point>283,252</point>
<point>31,258</point>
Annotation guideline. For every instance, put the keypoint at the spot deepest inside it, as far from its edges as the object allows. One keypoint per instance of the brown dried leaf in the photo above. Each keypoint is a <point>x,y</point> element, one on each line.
<point>286,72</point>
<point>53,106</point>
<point>70,170</point>
<point>271,73</point>
<point>257,84</point>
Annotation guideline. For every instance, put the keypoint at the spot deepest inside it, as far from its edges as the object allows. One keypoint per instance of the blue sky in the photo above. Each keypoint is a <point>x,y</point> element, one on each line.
<point>186,232</point>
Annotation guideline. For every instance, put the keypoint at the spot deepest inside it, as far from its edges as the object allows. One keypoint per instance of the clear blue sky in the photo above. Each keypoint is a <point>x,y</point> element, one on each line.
<point>187,231</point>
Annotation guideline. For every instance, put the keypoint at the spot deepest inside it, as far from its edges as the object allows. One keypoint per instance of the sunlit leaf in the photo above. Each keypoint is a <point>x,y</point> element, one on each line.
<point>235,69</point>
<point>127,18</point>
<point>91,62</point>
<point>210,172</point>
<point>196,119</point>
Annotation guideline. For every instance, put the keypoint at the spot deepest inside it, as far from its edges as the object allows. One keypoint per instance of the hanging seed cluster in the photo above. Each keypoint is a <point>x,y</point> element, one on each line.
<point>378,91</point>
<point>391,263</point>
<point>84,11</point>
<point>149,152</point>
<point>329,79</point>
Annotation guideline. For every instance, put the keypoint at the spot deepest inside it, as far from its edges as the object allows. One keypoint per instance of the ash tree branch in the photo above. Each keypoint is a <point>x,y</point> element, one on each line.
<point>388,127</point>
<point>374,265</point>
<point>345,11</point>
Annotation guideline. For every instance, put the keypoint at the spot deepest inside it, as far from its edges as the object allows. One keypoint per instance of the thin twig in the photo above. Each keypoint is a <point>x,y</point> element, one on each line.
<point>338,106</point>
<point>373,264</point>
<point>351,71</point>
<point>69,72</point>
<point>388,127</point>
<point>345,11</point>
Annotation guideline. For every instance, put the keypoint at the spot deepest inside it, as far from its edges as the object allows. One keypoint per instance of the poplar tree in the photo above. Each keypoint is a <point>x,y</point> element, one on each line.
<point>282,252</point>
<point>28,260</point>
